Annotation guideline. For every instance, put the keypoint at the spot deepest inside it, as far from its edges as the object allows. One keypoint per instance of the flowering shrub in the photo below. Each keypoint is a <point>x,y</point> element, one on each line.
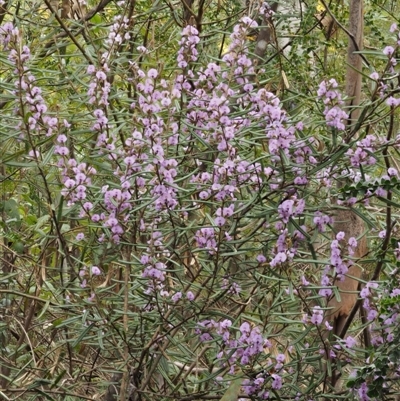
<point>181,233</point>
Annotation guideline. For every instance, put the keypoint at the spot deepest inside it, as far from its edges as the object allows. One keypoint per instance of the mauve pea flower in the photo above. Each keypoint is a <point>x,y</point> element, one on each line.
<point>277,382</point>
<point>87,206</point>
<point>352,242</point>
<point>101,76</point>
<point>61,150</point>
<point>152,73</point>
<point>372,314</point>
<point>176,297</point>
<point>350,342</point>
<point>388,51</point>
<point>205,337</point>
<point>392,101</point>
<point>245,328</point>
<point>96,218</point>
<point>380,192</point>
<point>261,259</point>
<point>219,221</point>
<point>279,258</point>
<point>142,49</point>
<point>340,235</point>
<point>91,69</point>
<point>363,392</point>
<point>80,236</point>
<point>317,316</point>
<point>96,271</point>
<point>190,296</point>
<point>62,138</point>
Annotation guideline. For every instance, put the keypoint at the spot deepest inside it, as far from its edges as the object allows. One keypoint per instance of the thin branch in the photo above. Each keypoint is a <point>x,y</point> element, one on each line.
<point>90,14</point>
<point>68,32</point>
<point>348,33</point>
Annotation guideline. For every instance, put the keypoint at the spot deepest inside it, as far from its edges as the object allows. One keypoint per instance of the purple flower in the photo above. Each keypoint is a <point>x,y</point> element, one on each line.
<point>261,259</point>
<point>352,242</point>
<point>362,392</point>
<point>245,328</point>
<point>340,235</point>
<point>317,316</point>
<point>321,221</point>
<point>276,381</point>
<point>279,258</point>
<point>176,297</point>
<point>388,51</point>
<point>152,73</point>
<point>190,295</point>
<point>350,342</point>
<point>96,271</point>
<point>205,337</point>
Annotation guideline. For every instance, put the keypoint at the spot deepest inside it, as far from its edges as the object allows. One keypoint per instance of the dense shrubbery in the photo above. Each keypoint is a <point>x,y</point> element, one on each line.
<point>171,228</point>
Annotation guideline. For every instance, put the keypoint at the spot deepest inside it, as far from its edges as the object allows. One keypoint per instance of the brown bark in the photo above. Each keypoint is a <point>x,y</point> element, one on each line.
<point>354,60</point>
<point>346,220</point>
<point>351,224</point>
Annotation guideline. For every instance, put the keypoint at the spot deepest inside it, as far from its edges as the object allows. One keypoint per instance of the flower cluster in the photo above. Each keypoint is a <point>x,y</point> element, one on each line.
<point>266,11</point>
<point>282,252</point>
<point>291,207</point>
<point>154,267</point>
<point>266,107</point>
<point>119,31</point>
<point>187,52</point>
<point>366,295</point>
<point>334,114</point>
<point>29,100</point>
<point>242,351</point>
<point>76,178</point>
<point>237,57</point>
<point>317,315</point>
<point>99,87</point>
<point>206,239</point>
<point>233,288</point>
<point>321,221</point>
<point>363,155</point>
<point>84,275</point>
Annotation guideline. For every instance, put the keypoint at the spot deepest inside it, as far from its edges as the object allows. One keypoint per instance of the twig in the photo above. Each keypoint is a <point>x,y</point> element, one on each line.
<point>68,32</point>
<point>348,33</point>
